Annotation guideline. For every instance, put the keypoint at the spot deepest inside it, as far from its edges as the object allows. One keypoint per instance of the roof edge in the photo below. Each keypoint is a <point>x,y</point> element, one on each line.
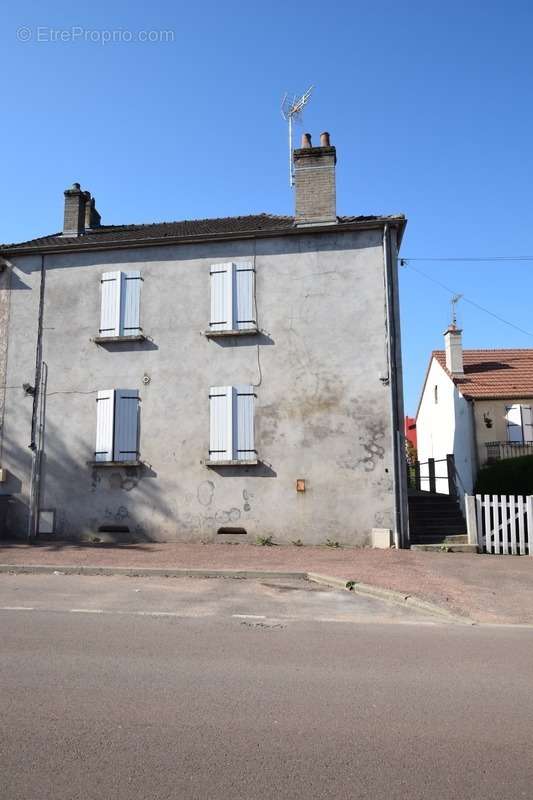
<point>397,221</point>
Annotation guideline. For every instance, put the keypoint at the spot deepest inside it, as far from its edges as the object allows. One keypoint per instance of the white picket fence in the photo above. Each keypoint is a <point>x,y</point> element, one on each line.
<point>501,524</point>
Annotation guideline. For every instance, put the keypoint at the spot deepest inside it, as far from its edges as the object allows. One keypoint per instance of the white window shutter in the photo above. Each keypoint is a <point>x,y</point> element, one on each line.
<point>221,423</point>
<point>527,423</point>
<point>222,297</point>
<point>110,308</point>
<point>513,418</point>
<point>244,277</point>
<point>130,291</point>
<point>243,422</point>
<point>105,411</point>
<point>126,425</point>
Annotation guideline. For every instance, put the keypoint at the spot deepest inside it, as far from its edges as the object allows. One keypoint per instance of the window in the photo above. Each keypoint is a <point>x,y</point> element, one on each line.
<point>232,424</point>
<point>121,303</point>
<point>232,299</point>
<point>519,421</point>
<point>436,394</point>
<point>117,425</point>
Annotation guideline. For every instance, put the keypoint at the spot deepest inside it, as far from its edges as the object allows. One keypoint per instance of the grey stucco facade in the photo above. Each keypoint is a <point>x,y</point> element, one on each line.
<point>325,366</point>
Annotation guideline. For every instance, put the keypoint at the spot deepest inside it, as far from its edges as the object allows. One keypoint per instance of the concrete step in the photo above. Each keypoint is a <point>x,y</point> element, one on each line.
<point>454,522</point>
<point>448,548</point>
<point>459,538</point>
<point>428,507</point>
<point>446,530</point>
<point>455,526</point>
<point>430,511</point>
<point>420,499</point>
<point>434,508</point>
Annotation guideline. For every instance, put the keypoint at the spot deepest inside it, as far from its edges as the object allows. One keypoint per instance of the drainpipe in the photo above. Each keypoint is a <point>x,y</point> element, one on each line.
<point>398,461</point>
<point>35,443</point>
<point>474,444</point>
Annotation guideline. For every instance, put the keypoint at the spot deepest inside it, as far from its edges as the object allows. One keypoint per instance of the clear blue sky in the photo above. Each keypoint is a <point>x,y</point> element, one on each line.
<point>430,105</point>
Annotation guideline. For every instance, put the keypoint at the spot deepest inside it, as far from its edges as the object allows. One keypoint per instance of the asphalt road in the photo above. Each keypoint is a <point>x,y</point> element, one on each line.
<point>127,688</point>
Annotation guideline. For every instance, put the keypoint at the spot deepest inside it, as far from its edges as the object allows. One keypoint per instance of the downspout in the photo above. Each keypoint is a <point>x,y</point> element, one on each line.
<point>398,471</point>
<point>475,454</point>
<point>34,445</point>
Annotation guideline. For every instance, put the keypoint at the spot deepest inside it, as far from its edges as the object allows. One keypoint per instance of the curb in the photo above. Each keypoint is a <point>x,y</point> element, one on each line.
<point>387,595</point>
<point>390,596</point>
<point>146,572</point>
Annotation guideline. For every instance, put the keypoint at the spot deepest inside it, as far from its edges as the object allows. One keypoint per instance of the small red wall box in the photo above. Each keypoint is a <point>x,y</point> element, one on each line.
<point>300,485</point>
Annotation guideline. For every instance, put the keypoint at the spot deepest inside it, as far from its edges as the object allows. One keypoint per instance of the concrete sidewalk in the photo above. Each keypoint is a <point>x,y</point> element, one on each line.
<point>496,589</point>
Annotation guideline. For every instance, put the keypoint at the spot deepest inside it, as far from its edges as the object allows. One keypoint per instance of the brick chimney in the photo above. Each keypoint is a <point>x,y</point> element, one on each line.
<point>74,219</point>
<point>314,182</point>
<point>80,212</point>
<point>453,343</point>
<point>92,217</point>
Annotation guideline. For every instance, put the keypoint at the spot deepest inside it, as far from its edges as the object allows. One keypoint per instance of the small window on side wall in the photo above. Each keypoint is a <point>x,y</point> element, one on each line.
<point>436,394</point>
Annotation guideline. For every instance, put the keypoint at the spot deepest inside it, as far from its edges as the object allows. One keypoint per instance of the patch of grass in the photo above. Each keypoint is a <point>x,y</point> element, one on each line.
<point>332,543</point>
<point>264,541</point>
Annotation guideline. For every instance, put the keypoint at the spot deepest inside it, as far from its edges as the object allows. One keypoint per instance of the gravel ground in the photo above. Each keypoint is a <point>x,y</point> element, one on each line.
<point>496,589</point>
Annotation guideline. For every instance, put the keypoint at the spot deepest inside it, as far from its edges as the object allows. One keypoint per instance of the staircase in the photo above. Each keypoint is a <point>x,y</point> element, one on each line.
<point>436,522</point>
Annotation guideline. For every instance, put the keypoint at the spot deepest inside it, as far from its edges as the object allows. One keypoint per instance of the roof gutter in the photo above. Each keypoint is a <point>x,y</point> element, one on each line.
<point>397,222</point>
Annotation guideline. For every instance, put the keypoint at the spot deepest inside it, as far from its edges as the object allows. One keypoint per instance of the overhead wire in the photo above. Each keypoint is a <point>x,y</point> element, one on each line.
<point>404,262</point>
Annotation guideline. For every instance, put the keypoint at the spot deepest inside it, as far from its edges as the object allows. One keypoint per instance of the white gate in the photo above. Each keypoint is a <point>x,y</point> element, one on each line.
<point>500,524</point>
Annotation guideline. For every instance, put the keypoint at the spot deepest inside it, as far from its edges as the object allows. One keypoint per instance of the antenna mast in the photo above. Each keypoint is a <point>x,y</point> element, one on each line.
<point>291,109</point>
<point>455,299</point>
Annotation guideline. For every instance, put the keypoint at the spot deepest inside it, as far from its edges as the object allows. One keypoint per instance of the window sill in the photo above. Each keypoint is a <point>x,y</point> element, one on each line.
<point>246,332</point>
<point>138,337</point>
<point>249,462</point>
<point>115,464</point>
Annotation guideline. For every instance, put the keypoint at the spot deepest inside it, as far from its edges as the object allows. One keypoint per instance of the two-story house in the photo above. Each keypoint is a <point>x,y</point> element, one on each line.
<point>476,405</point>
<point>207,379</point>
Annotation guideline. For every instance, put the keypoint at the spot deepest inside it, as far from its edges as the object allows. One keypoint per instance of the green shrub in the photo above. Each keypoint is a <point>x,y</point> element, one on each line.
<point>265,541</point>
<point>509,476</point>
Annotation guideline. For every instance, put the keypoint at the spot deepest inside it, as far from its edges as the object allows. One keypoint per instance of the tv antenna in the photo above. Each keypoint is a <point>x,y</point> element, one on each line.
<point>455,299</point>
<point>291,109</point>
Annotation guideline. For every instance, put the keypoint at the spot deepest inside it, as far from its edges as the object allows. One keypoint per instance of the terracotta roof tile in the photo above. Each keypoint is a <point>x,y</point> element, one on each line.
<point>494,373</point>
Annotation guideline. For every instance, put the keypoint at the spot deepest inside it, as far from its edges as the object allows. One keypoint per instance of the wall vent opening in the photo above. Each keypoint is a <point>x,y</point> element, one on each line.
<point>113,529</point>
<point>232,531</point>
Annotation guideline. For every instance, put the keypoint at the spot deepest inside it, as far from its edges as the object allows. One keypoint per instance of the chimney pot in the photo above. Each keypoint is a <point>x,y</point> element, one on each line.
<point>306,140</point>
<point>324,139</point>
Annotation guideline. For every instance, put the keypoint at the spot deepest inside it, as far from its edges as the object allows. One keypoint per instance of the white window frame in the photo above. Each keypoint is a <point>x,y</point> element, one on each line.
<point>232,425</point>
<point>515,421</point>
<point>120,306</point>
<point>233,302</point>
<point>117,426</point>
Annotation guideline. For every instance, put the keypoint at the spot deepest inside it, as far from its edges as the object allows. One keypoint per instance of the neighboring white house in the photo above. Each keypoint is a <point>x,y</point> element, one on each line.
<point>476,405</point>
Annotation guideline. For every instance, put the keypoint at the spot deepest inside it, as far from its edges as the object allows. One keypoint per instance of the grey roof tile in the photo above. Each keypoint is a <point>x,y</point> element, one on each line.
<point>116,235</point>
